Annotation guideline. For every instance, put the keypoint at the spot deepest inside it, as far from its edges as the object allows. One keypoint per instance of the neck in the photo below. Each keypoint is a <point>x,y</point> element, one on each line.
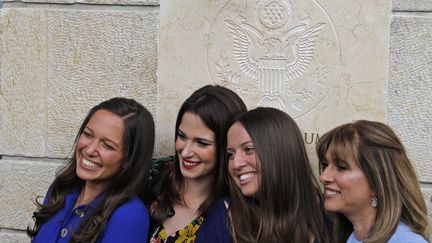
<point>362,224</point>
<point>196,192</point>
<point>89,193</point>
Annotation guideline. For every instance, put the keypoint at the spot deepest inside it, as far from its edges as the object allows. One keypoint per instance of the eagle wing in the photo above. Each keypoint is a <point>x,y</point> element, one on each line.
<point>242,40</point>
<point>303,48</point>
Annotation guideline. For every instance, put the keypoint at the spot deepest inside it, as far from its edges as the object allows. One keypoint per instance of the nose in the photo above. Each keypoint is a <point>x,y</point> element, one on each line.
<point>238,161</point>
<point>187,149</point>
<point>91,149</point>
<point>326,176</point>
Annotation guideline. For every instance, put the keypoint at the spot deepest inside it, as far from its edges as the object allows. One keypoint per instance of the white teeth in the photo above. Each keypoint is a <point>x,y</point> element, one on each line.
<point>190,163</point>
<point>328,192</point>
<point>243,177</point>
<point>90,164</point>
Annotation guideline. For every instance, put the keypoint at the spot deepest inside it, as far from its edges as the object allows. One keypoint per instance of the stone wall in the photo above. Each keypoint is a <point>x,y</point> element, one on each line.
<point>410,84</point>
<point>58,58</point>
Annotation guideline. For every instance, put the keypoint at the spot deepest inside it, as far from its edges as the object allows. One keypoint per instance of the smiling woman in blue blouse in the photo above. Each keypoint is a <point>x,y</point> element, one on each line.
<point>93,198</point>
<point>371,185</point>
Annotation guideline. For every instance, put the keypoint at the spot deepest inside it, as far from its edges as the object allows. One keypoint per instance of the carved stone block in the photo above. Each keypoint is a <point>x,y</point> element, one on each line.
<point>23,81</point>
<point>324,63</point>
<point>95,55</point>
<point>412,5</point>
<point>410,89</point>
<point>20,182</point>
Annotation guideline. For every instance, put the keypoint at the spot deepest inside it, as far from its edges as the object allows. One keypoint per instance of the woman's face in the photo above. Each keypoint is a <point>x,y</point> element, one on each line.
<point>346,189</point>
<point>99,149</point>
<point>243,166</point>
<point>196,148</point>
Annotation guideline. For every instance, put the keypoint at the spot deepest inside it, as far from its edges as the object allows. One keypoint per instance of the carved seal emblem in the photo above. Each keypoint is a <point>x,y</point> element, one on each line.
<point>280,54</point>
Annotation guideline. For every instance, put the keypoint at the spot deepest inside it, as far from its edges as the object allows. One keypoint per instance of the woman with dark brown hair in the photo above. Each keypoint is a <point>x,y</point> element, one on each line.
<point>370,185</point>
<point>188,208</point>
<point>275,196</point>
<point>94,197</point>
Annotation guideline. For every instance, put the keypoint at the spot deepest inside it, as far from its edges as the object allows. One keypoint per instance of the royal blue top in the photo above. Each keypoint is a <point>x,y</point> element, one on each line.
<point>130,222</point>
<point>215,227</point>
<point>402,234</point>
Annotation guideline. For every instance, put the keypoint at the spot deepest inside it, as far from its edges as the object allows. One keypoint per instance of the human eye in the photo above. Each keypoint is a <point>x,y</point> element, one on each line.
<point>230,154</point>
<point>250,149</point>
<point>181,135</point>
<point>342,166</point>
<point>87,133</point>
<point>323,164</point>
<point>108,146</point>
<point>203,143</point>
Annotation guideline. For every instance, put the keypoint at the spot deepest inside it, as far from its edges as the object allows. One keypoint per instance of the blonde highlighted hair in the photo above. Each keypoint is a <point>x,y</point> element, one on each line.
<point>381,156</point>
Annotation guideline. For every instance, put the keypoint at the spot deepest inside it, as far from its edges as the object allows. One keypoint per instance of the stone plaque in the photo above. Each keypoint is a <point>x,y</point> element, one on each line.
<point>323,62</point>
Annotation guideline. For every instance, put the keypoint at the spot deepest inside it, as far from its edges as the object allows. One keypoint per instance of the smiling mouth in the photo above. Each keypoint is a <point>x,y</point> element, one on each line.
<point>189,164</point>
<point>331,193</point>
<point>90,165</point>
<point>246,177</point>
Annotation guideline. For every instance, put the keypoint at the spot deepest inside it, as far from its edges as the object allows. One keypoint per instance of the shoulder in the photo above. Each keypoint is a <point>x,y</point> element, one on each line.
<point>215,226</point>
<point>130,222</point>
<point>134,209</point>
<point>404,234</point>
<point>352,239</point>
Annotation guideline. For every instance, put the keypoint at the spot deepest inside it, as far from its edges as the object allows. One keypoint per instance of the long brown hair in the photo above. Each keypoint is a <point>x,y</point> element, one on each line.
<point>138,140</point>
<point>381,156</point>
<point>287,205</point>
<point>216,106</point>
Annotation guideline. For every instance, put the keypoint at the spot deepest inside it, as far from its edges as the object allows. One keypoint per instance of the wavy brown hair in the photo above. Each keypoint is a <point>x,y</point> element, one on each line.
<point>138,141</point>
<point>381,156</point>
<point>287,205</point>
<point>216,106</point>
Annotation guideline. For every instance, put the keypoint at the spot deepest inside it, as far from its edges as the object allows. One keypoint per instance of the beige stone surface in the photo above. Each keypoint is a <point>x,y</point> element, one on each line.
<point>23,65</point>
<point>95,55</point>
<point>410,89</point>
<point>21,181</point>
<point>6,237</point>
<point>412,5</point>
<point>104,2</point>
<point>427,193</point>
<point>56,64</point>
<point>324,63</point>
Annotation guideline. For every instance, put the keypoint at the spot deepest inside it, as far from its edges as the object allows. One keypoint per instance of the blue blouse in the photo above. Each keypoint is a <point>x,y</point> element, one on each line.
<point>402,234</point>
<point>128,223</point>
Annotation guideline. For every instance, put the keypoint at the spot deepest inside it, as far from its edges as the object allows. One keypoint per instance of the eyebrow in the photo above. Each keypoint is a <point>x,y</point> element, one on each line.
<point>197,138</point>
<point>246,143</point>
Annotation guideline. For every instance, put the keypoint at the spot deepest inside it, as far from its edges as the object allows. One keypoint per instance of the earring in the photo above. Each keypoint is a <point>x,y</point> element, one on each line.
<point>374,202</point>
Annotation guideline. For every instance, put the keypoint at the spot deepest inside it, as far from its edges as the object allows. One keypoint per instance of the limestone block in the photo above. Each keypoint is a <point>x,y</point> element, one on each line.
<point>410,89</point>
<point>427,193</point>
<point>323,63</point>
<point>95,55</point>
<point>105,2</point>
<point>21,181</point>
<point>23,75</point>
<point>412,5</point>
<point>7,237</point>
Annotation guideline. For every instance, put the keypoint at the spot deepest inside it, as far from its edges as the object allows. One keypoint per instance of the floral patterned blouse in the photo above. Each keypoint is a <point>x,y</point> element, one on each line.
<point>185,235</point>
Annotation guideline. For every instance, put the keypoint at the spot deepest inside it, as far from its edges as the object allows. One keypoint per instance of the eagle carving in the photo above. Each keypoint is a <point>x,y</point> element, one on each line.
<point>273,59</point>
